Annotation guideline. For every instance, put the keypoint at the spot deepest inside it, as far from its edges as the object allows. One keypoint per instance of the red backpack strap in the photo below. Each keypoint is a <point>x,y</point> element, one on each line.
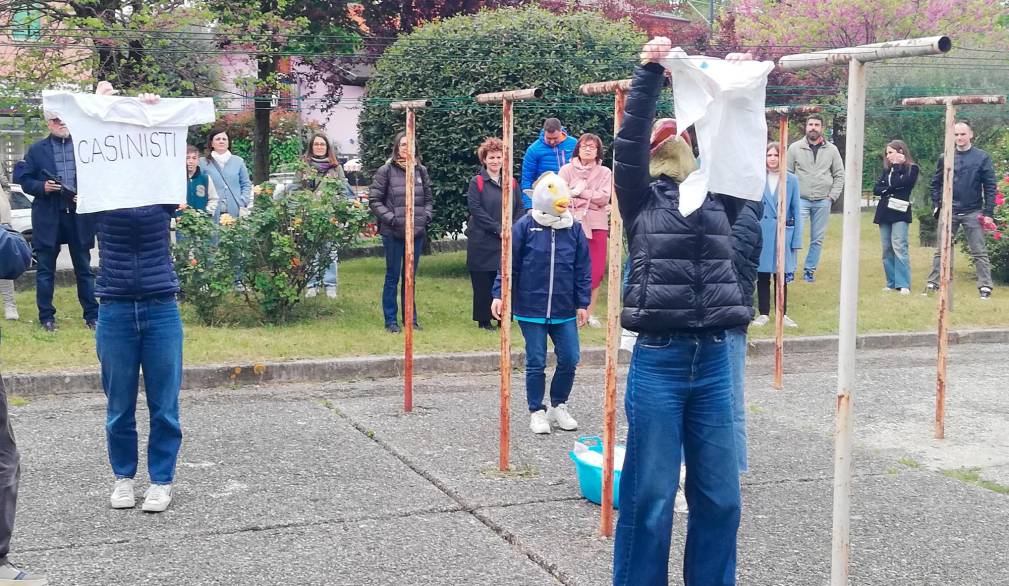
<point>479,183</point>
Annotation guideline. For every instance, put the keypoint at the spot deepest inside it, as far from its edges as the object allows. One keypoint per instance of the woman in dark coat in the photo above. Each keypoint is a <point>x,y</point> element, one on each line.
<point>387,199</point>
<point>893,214</point>
<point>483,230</point>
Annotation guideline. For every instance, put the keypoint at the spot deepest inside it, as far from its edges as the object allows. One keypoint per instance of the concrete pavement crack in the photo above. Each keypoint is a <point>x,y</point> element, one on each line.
<point>467,507</point>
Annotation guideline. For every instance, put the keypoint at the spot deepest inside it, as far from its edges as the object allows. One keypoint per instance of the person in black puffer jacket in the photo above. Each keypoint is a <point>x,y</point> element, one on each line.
<point>683,294</point>
<point>387,199</point>
<point>139,329</point>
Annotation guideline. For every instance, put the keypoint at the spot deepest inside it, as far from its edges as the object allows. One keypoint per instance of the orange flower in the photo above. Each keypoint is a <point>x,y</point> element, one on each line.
<point>192,262</point>
<point>295,262</point>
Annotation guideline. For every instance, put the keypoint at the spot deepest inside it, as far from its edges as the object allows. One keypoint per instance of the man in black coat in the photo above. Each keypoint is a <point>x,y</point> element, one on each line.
<point>49,173</point>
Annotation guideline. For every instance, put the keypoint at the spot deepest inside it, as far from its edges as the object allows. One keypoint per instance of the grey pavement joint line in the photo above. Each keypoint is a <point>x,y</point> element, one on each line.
<point>506,535</point>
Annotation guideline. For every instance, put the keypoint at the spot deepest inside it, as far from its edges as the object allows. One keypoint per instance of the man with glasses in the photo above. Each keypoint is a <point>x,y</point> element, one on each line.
<point>49,173</point>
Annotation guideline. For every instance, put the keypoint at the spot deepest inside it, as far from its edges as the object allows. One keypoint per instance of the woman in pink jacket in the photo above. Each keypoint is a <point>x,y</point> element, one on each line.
<point>590,184</point>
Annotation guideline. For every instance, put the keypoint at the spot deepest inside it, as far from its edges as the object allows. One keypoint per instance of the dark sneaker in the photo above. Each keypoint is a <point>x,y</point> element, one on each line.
<point>91,324</point>
<point>49,325</point>
<point>392,328</point>
<point>985,292</point>
<point>416,327</point>
<point>930,288</point>
<point>486,325</point>
<point>808,276</point>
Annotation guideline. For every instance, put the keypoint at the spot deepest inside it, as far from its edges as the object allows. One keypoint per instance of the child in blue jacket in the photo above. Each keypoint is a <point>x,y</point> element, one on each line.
<point>552,285</point>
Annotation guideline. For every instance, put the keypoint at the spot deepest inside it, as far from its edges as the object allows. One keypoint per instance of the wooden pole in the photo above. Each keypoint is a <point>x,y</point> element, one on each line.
<point>856,57</point>
<point>613,295</point>
<point>946,241</point>
<point>507,172</point>
<point>779,243</point>
<point>408,264</point>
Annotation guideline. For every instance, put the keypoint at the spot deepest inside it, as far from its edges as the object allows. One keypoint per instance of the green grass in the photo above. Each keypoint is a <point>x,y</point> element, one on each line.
<point>973,476</point>
<point>909,462</point>
<point>352,324</point>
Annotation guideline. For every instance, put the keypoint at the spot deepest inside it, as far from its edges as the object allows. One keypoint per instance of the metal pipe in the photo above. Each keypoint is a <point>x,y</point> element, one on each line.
<point>512,95</point>
<point>408,284</point>
<point>848,324</point>
<point>603,88</point>
<point>410,104</point>
<point>866,53</point>
<point>507,129</point>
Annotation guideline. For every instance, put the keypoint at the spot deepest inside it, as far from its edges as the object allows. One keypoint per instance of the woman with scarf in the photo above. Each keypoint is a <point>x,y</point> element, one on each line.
<point>387,199</point>
<point>229,174</point>
<point>590,185</point>
<point>322,168</point>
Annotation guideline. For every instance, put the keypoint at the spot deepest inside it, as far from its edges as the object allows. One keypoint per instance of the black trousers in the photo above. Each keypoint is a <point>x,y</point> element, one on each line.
<point>10,473</point>
<point>483,285</point>
<point>764,293</point>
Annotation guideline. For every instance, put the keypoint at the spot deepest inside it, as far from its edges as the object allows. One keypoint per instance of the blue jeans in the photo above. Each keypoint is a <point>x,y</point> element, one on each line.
<point>45,281</point>
<point>816,215</point>
<point>565,338</point>
<point>147,335</point>
<point>896,261</point>
<point>329,278</point>
<point>395,267</point>
<point>679,391</point>
<point>737,363</point>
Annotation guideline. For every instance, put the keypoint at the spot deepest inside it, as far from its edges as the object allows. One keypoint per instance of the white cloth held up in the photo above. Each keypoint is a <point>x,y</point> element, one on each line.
<point>128,154</point>
<point>724,100</point>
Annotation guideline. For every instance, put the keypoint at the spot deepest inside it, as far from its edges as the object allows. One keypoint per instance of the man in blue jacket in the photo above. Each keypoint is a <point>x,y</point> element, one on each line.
<point>49,174</point>
<point>551,151</point>
<point>15,256</point>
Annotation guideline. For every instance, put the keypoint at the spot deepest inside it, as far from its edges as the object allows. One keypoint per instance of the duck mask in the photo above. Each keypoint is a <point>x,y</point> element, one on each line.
<point>551,197</point>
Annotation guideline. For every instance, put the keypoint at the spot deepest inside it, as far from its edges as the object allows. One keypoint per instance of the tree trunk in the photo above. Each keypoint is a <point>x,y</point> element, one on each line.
<point>261,134</point>
<point>840,139</point>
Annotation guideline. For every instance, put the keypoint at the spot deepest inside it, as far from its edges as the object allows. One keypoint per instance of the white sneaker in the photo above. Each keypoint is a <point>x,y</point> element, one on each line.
<point>680,503</point>
<point>157,498</point>
<point>11,313</point>
<point>561,417</point>
<point>789,322</point>
<point>13,576</point>
<point>538,422</point>
<point>122,494</point>
<point>331,291</point>
<point>311,292</point>
<point>594,322</point>
<point>761,320</point>
<point>905,291</point>
<point>887,289</point>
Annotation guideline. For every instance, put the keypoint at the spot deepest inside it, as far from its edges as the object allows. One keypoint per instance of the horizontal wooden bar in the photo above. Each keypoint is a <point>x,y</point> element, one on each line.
<point>410,104</point>
<point>604,87</point>
<point>513,95</point>
<point>786,110</point>
<point>954,100</point>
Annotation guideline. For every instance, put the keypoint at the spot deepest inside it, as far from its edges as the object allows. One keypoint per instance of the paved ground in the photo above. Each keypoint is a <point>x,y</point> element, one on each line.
<point>332,484</point>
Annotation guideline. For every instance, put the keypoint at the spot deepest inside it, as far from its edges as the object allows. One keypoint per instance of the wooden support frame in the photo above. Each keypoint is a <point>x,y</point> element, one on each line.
<point>783,113</point>
<point>856,58</point>
<point>408,266</point>
<point>613,296</point>
<point>946,240</point>
<point>506,99</point>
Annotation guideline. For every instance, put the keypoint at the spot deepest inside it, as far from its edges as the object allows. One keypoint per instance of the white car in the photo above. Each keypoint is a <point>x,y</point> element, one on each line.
<point>21,213</point>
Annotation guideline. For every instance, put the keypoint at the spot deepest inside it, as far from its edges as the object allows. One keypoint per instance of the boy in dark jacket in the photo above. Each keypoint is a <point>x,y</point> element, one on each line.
<point>200,193</point>
<point>552,282</point>
<point>682,295</point>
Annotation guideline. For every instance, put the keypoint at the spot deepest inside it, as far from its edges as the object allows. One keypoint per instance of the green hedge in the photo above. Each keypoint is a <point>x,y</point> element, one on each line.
<point>452,60</point>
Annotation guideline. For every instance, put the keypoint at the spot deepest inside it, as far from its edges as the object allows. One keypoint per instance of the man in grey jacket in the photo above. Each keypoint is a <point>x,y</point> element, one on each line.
<point>973,199</point>
<point>817,163</point>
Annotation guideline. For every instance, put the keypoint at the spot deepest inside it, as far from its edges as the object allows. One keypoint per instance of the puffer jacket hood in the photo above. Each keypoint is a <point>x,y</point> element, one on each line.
<point>134,250</point>
<point>682,276</point>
